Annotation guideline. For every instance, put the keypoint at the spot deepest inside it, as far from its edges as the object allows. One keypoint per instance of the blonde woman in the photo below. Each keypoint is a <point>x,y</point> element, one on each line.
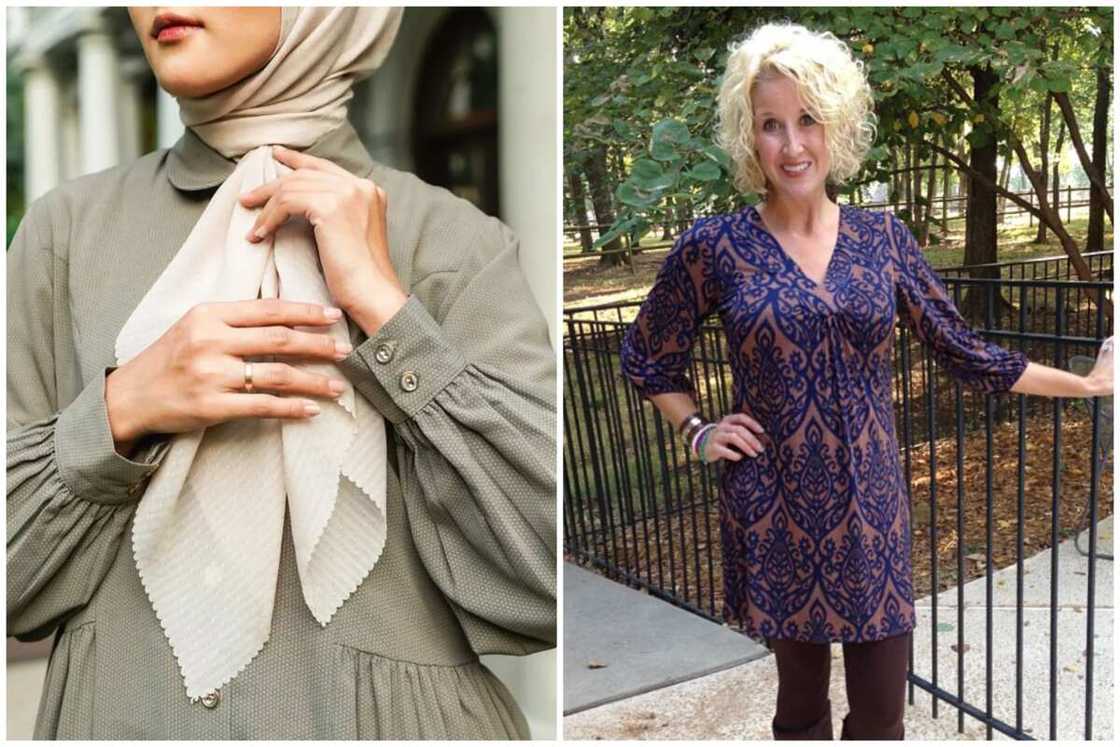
<point>815,525</point>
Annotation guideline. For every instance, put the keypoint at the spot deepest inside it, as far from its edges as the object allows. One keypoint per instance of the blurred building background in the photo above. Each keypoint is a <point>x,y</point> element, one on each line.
<point>466,100</point>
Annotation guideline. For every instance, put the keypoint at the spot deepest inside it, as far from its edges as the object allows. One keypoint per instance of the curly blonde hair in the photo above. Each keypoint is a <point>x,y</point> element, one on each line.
<point>831,83</point>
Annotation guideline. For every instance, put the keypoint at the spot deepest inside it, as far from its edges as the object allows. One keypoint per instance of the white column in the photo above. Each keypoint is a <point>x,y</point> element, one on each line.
<point>528,134</point>
<point>71,130</point>
<point>97,100</point>
<point>169,128</point>
<point>129,146</point>
<point>41,115</point>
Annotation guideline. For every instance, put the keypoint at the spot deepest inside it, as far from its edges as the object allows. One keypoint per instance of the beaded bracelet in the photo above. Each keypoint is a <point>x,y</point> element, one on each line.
<point>699,440</point>
<point>704,445</point>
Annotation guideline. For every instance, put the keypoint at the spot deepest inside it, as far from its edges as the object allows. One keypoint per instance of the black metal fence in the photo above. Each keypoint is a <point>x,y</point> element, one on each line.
<point>640,509</point>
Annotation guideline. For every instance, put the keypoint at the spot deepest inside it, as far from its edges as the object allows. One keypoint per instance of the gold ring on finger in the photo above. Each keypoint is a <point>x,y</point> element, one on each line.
<point>248,377</point>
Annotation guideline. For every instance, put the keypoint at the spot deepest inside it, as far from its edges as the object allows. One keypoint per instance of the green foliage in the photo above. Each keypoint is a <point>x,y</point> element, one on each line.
<point>643,82</point>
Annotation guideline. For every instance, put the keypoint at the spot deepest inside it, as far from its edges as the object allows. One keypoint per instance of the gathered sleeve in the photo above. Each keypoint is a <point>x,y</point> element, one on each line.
<point>656,352</point>
<point>69,493</point>
<point>468,380</point>
<point>927,308</point>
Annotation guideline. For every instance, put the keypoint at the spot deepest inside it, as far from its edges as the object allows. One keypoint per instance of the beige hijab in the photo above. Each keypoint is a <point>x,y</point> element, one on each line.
<point>207,534</point>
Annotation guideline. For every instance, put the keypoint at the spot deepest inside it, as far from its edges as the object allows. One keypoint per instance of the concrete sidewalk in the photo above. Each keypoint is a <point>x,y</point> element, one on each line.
<point>619,642</point>
<point>737,703</point>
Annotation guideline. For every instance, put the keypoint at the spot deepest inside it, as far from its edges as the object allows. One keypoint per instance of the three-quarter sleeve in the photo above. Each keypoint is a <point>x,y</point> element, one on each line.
<point>927,308</point>
<point>69,493</point>
<point>656,352</point>
<point>467,378</point>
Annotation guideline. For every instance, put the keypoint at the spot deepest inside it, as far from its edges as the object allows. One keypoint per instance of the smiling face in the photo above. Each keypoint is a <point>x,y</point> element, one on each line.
<point>791,145</point>
<point>197,51</point>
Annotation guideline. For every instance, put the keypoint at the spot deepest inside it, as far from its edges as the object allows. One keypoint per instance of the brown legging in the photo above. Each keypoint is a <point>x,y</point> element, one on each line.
<point>875,674</point>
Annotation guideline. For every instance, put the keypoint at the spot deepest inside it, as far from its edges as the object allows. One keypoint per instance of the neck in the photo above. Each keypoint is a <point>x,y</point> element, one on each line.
<point>800,216</point>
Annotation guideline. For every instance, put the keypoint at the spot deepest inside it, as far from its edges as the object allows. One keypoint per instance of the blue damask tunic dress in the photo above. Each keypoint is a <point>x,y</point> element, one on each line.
<point>816,529</point>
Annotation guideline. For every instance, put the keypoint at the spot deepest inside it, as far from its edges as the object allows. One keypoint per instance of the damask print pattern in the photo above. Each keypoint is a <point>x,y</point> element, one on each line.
<point>816,529</point>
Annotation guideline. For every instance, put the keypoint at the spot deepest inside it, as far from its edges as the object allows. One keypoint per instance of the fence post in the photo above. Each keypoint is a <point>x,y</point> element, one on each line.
<point>1069,203</point>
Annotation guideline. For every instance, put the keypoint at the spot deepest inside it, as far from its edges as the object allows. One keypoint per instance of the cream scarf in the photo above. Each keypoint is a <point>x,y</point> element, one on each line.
<point>207,534</point>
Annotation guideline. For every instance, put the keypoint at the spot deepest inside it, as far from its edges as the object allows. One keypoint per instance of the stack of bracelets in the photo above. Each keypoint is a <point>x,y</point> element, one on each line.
<point>695,431</point>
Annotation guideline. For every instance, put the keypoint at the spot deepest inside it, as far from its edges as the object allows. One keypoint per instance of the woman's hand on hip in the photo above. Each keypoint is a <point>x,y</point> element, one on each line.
<point>194,375</point>
<point>348,216</point>
<point>734,435</point>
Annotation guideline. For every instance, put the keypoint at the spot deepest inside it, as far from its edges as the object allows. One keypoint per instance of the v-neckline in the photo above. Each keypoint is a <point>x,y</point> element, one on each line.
<point>792,263</point>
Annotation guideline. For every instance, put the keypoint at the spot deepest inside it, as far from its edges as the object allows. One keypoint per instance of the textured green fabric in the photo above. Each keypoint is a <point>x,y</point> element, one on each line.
<point>469,563</point>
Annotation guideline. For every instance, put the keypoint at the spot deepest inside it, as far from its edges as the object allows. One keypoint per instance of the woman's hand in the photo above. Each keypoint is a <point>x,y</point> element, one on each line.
<point>194,375</point>
<point>733,436</point>
<point>1100,381</point>
<point>348,216</point>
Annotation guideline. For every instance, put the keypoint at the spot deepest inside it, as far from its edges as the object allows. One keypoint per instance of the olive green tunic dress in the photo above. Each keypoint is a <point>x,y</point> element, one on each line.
<point>465,377</point>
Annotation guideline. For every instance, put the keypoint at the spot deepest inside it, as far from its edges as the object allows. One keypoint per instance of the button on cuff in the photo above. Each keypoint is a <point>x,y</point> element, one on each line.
<point>384,352</point>
<point>405,364</point>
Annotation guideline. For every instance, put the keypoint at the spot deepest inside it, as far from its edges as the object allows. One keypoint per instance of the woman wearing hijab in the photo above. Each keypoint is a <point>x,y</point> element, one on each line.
<point>814,519</point>
<point>270,471</point>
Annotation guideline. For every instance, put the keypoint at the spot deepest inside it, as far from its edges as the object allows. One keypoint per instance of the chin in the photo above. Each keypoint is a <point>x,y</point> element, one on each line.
<point>189,82</point>
<point>801,190</point>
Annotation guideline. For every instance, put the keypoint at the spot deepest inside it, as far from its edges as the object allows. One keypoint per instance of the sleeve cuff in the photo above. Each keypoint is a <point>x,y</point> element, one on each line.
<point>87,458</point>
<point>405,364</point>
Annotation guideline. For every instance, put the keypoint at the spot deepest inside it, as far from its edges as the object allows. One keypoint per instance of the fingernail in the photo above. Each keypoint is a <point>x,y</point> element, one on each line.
<point>332,313</point>
<point>342,349</point>
<point>260,232</point>
<point>337,387</point>
<point>310,408</point>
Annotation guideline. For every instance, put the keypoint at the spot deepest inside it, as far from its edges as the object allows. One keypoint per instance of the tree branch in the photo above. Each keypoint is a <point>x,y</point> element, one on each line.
<point>1043,211</point>
<point>957,89</point>
<point>1008,194</point>
<point>1079,145</point>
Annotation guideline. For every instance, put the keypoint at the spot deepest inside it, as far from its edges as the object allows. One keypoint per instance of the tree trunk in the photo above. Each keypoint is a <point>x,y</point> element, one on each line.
<point>1044,166</point>
<point>618,174</point>
<point>684,215</point>
<point>1004,179</point>
<point>931,186</point>
<point>964,181</point>
<point>980,245</point>
<point>945,179</point>
<point>1095,241</point>
<point>601,202</point>
<point>1056,180</point>
<point>896,187</point>
<point>907,185</point>
<point>579,210</point>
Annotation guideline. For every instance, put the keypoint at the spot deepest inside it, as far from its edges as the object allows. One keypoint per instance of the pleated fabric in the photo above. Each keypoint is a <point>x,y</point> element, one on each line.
<point>332,467</point>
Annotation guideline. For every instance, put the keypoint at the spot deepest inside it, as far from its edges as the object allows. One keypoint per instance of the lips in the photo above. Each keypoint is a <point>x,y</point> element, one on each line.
<point>796,168</point>
<point>172,25</point>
